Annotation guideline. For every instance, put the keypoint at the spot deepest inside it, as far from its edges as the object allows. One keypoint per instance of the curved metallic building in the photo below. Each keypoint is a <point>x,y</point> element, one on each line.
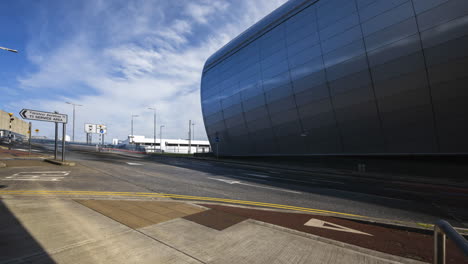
<point>343,77</point>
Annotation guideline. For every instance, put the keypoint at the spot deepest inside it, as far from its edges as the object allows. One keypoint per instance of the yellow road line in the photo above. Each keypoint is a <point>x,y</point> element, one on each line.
<point>174,196</point>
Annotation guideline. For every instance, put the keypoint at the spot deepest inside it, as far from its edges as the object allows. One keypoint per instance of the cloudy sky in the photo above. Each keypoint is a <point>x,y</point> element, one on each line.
<point>116,58</point>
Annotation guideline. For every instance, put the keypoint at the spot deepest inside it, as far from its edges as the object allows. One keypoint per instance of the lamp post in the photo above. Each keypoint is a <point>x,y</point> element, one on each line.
<point>193,131</point>
<point>74,105</point>
<point>190,137</point>
<point>10,114</point>
<point>7,49</point>
<point>131,136</point>
<point>160,137</point>
<point>154,127</point>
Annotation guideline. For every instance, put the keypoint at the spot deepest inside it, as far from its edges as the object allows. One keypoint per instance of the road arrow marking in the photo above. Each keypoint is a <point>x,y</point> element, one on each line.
<point>327,225</point>
<point>252,185</point>
<point>134,164</point>
<point>226,181</point>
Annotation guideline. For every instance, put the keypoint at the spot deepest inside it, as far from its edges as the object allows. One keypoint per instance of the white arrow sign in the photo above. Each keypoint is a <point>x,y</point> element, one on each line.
<point>327,225</point>
<point>43,116</point>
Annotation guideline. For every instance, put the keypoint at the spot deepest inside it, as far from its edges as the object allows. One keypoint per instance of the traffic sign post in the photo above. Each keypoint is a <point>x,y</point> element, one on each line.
<point>64,126</point>
<point>48,117</point>
<point>30,132</point>
<point>56,141</point>
<point>91,129</point>
<point>43,116</point>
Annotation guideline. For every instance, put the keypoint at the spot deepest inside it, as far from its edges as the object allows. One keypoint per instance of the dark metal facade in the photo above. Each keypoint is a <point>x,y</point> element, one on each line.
<point>343,77</point>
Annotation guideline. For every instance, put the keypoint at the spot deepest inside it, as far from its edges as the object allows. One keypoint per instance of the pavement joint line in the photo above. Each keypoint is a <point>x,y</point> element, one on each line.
<point>303,209</point>
<point>148,236</point>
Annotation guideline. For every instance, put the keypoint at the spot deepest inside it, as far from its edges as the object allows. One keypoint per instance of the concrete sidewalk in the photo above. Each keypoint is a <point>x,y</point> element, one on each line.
<point>20,153</point>
<point>114,231</point>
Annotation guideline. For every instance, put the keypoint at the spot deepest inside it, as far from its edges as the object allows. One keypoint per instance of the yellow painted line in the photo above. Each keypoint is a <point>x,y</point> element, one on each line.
<point>175,196</point>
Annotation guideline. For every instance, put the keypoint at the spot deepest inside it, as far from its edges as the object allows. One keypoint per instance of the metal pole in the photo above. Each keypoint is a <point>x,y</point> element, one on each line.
<point>439,246</point>
<point>30,132</point>
<point>9,132</point>
<point>160,137</point>
<point>73,132</point>
<point>64,125</point>
<point>217,150</point>
<point>193,131</point>
<point>190,137</point>
<point>56,139</point>
<point>154,131</point>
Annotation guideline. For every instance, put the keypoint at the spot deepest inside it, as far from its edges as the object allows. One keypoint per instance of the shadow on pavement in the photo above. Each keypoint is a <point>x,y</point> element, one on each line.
<point>17,245</point>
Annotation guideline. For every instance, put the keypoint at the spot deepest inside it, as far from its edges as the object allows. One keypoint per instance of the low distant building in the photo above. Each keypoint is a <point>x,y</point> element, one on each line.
<point>168,145</point>
<point>19,128</point>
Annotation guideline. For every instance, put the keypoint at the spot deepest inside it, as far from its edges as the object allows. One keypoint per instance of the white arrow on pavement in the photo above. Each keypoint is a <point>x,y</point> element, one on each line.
<point>327,225</point>
<point>252,185</point>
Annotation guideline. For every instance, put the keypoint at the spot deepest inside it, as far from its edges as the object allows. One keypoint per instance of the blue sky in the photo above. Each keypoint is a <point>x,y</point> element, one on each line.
<point>116,58</point>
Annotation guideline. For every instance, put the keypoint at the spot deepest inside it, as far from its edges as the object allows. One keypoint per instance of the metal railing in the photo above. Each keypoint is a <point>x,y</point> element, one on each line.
<point>442,230</point>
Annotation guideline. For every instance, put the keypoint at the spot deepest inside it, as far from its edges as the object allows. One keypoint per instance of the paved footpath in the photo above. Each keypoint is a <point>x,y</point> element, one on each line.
<point>51,230</point>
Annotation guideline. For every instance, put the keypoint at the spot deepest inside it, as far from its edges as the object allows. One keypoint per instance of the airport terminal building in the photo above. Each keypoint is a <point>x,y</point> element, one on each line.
<point>343,77</point>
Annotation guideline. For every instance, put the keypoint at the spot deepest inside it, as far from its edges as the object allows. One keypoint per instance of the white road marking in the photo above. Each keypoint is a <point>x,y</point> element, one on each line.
<point>252,185</point>
<point>316,181</point>
<point>21,149</point>
<point>258,175</point>
<point>327,225</point>
<point>38,176</point>
<point>224,180</point>
<point>134,164</point>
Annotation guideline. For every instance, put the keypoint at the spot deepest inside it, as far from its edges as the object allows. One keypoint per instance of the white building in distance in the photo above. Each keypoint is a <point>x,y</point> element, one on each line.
<point>168,145</point>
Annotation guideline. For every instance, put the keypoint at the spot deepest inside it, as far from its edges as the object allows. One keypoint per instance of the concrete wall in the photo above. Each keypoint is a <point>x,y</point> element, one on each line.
<point>18,125</point>
<point>349,77</point>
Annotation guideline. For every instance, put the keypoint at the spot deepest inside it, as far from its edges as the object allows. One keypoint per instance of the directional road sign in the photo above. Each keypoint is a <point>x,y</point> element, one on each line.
<point>43,116</point>
<point>101,129</point>
<point>90,128</point>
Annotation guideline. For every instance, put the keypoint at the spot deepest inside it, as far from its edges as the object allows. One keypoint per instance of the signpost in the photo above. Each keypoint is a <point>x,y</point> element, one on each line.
<point>43,116</point>
<point>49,117</point>
<point>89,130</point>
<point>95,129</point>
<point>30,132</point>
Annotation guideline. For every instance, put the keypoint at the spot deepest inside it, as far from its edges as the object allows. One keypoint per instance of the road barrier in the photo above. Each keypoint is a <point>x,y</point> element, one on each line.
<point>443,229</point>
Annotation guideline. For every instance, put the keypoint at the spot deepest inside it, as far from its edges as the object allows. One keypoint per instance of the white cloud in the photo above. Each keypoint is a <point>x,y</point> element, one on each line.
<point>202,11</point>
<point>138,56</point>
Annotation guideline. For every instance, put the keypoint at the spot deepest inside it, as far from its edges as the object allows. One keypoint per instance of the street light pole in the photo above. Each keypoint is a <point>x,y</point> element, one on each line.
<point>190,137</point>
<point>193,131</point>
<point>7,49</point>
<point>131,136</point>
<point>73,133</point>
<point>160,137</point>
<point>154,127</point>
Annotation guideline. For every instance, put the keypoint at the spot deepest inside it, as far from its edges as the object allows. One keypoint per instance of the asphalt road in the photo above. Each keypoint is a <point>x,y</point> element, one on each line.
<point>138,173</point>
